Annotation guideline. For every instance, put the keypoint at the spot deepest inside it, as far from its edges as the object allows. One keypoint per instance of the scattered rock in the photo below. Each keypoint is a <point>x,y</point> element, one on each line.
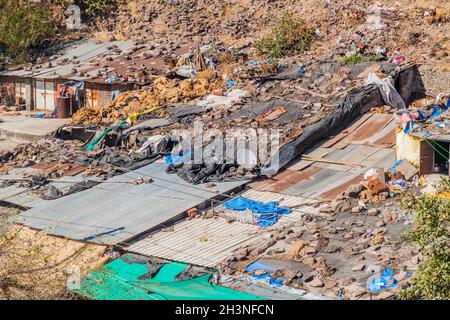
<point>359,267</point>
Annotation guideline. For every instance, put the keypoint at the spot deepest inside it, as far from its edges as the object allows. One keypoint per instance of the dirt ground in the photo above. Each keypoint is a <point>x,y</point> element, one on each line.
<point>35,265</point>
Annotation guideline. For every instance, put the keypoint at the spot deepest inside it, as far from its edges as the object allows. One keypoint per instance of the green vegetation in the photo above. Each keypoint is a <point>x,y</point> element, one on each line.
<point>357,58</point>
<point>443,186</point>
<point>23,26</point>
<point>290,36</point>
<point>93,7</point>
<point>431,234</point>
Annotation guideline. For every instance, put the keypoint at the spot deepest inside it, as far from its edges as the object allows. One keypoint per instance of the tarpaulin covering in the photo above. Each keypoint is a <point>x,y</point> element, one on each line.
<point>120,280</point>
<point>266,214</point>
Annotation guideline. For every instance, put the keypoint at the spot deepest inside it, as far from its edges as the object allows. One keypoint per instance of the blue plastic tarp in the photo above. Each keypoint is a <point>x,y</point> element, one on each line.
<point>385,281</point>
<point>259,266</point>
<point>267,214</point>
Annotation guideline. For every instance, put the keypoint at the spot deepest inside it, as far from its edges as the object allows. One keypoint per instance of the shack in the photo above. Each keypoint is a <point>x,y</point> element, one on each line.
<point>423,138</point>
<point>103,68</point>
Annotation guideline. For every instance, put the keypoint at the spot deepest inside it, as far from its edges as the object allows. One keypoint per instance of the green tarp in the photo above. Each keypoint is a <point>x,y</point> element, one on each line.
<point>119,280</point>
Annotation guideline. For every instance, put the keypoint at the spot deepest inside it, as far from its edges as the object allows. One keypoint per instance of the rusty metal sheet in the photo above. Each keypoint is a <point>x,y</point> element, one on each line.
<point>352,153</point>
<point>316,153</point>
<point>332,166</point>
<point>68,169</point>
<point>73,171</point>
<point>370,127</point>
<point>387,139</point>
<point>333,193</point>
<point>282,180</point>
<point>344,133</point>
<point>289,178</point>
<point>380,159</point>
<point>321,181</point>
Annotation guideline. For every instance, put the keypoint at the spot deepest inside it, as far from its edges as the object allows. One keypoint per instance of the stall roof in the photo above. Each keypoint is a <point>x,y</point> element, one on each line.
<point>89,57</point>
<point>87,53</point>
<point>435,137</point>
<point>113,212</point>
<point>220,238</point>
<point>339,161</point>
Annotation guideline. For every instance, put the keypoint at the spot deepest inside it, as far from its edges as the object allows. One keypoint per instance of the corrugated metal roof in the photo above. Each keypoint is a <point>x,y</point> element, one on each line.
<point>223,238</point>
<point>364,144</point>
<point>114,212</point>
<point>322,181</point>
<point>184,243</point>
<point>83,52</point>
<point>370,129</point>
<point>347,131</point>
<point>333,193</point>
<point>316,153</point>
<point>283,180</point>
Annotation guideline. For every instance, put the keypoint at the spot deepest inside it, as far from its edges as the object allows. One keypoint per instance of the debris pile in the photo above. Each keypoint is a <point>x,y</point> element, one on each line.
<point>378,185</point>
<point>163,91</point>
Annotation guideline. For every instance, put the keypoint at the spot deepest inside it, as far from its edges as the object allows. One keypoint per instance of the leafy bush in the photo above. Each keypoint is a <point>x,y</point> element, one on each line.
<point>291,35</point>
<point>357,58</point>
<point>23,26</point>
<point>431,234</point>
<point>93,7</point>
<point>443,185</point>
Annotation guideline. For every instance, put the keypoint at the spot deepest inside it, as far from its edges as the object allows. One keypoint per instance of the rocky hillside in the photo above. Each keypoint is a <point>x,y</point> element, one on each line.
<point>406,25</point>
<point>414,31</point>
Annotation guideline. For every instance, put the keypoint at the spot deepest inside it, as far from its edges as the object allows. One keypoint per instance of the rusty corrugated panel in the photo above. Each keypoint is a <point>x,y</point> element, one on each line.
<point>321,181</point>
<point>370,127</point>
<point>260,183</point>
<point>289,178</point>
<point>383,158</point>
<point>352,153</point>
<point>344,133</point>
<point>72,171</point>
<point>333,193</point>
<point>384,137</point>
<point>387,141</point>
<point>316,153</point>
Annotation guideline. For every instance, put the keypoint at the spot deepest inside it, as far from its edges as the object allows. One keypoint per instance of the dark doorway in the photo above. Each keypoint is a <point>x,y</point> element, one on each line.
<point>441,156</point>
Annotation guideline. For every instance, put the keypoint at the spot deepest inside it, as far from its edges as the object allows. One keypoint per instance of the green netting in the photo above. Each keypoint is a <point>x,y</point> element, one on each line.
<point>118,280</point>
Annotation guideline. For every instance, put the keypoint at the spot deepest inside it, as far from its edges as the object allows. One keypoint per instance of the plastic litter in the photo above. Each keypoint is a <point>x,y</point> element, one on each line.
<point>390,94</point>
<point>266,214</point>
<point>385,281</point>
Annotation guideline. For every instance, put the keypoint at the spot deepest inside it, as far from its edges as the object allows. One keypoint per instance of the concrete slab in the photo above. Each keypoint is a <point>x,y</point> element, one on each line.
<point>22,127</point>
<point>9,144</point>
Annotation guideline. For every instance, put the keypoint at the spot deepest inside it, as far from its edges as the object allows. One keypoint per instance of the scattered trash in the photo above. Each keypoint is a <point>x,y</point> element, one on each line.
<point>385,281</point>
